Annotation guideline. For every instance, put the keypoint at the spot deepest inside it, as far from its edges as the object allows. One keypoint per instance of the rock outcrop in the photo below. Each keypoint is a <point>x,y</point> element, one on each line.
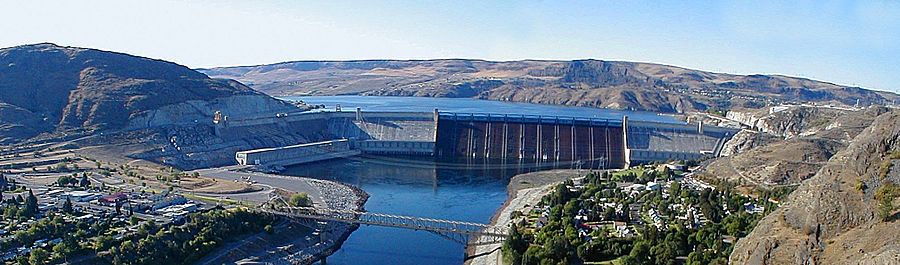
<point>791,145</point>
<point>831,218</point>
<point>745,140</point>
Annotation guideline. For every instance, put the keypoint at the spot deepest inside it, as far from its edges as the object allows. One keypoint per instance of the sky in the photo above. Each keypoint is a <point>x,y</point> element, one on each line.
<point>853,43</point>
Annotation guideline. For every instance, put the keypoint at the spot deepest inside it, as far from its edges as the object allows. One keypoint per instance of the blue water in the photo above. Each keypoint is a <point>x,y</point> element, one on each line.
<point>421,187</point>
<point>414,187</point>
<point>468,105</point>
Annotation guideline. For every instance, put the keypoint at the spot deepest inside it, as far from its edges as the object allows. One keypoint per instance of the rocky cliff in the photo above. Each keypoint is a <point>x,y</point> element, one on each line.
<point>831,218</point>
<point>611,84</point>
<point>789,121</point>
<point>45,88</point>
<point>790,145</point>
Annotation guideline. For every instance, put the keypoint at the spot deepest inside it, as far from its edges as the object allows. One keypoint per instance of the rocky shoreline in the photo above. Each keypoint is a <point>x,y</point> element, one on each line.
<point>358,204</point>
<point>325,193</point>
<point>523,190</point>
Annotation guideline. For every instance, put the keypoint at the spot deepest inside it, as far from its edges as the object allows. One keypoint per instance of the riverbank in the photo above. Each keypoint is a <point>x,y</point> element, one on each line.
<point>524,191</point>
<point>312,244</point>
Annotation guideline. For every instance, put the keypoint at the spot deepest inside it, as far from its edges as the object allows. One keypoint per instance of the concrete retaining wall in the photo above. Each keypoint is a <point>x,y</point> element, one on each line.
<point>296,154</point>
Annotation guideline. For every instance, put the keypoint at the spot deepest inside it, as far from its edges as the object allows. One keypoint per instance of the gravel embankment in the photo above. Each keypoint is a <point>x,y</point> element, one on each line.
<point>323,193</point>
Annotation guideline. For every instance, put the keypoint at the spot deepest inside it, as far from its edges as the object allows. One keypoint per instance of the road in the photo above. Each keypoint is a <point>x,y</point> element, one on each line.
<point>267,181</point>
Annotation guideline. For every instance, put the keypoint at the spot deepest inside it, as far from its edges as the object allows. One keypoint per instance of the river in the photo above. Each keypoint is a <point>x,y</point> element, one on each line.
<point>419,186</point>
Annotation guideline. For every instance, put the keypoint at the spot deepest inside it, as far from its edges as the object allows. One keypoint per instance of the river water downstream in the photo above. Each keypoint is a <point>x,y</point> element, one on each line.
<point>418,186</point>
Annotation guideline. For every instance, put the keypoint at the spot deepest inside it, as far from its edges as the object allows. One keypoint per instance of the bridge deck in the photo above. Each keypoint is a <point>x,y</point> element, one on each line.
<point>481,233</point>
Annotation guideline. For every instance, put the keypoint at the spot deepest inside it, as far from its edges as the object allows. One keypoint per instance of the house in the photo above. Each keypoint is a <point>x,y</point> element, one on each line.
<point>82,196</point>
<point>85,217</point>
<point>112,199</point>
<point>541,221</point>
<point>753,208</point>
<point>676,167</point>
<point>622,229</point>
<point>166,201</point>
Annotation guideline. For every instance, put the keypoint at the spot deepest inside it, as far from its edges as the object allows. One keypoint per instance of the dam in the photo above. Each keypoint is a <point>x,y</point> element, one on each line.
<point>557,141</point>
<point>458,185</point>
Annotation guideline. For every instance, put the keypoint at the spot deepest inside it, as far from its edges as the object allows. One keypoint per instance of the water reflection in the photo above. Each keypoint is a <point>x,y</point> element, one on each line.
<point>418,187</point>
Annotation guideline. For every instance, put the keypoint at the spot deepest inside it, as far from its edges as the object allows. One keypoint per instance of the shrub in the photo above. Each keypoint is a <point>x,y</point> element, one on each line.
<point>860,186</point>
<point>885,196</point>
<point>885,169</point>
<point>300,200</point>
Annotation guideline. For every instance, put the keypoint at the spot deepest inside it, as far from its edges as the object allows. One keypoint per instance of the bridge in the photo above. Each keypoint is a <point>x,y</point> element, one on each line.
<point>465,233</point>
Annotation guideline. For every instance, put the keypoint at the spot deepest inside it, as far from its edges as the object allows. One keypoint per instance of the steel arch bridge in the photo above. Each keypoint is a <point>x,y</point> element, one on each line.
<point>466,233</point>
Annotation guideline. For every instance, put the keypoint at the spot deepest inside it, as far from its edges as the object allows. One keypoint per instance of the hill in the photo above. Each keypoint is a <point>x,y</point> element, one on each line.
<point>610,84</point>
<point>788,146</point>
<point>45,88</point>
<point>844,214</point>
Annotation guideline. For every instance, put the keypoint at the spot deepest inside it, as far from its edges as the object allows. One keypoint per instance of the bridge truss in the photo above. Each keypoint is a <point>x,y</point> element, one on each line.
<point>465,233</point>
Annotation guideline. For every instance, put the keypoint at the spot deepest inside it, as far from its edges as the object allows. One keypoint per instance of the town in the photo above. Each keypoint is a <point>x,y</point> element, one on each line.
<point>652,214</point>
<point>79,219</point>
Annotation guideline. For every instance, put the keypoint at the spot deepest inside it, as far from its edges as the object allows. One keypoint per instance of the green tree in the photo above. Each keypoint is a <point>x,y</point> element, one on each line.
<point>102,243</point>
<point>63,181</point>
<point>31,205</point>
<point>84,182</point>
<point>300,200</point>
<point>885,196</point>
<point>134,220</point>
<point>514,246</point>
<point>67,206</point>
<point>38,256</point>
<point>640,254</point>
<point>64,249</point>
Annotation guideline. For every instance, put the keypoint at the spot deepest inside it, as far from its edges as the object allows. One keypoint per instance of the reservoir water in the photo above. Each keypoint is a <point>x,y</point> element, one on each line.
<point>419,186</point>
<point>468,105</point>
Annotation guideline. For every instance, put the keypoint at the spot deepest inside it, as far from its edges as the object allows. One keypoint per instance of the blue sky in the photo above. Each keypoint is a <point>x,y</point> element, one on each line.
<point>846,42</point>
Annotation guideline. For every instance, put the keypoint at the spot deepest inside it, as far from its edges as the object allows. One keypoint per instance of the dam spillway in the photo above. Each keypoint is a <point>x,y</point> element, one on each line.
<point>497,138</point>
<point>592,143</point>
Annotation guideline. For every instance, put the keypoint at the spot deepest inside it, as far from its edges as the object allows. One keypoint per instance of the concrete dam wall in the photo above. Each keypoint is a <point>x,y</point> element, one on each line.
<point>589,142</point>
<point>585,143</point>
<point>648,141</point>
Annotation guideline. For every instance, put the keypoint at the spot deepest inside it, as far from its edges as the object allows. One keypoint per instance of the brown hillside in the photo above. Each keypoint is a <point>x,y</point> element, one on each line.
<point>47,88</point>
<point>832,217</point>
<point>612,84</point>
